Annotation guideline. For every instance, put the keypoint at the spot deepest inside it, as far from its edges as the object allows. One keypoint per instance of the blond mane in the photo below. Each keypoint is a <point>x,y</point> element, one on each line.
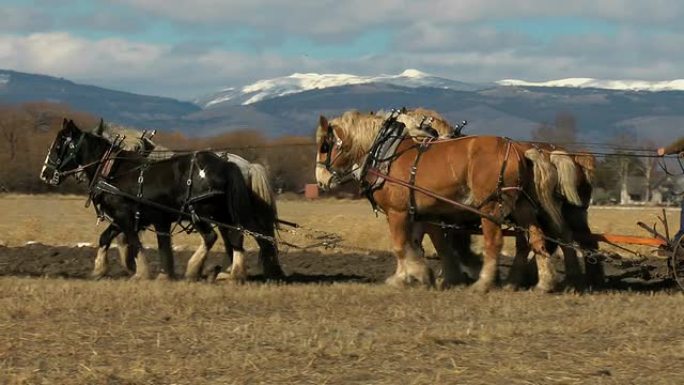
<point>361,127</point>
<point>364,127</point>
<point>132,138</point>
<point>439,123</point>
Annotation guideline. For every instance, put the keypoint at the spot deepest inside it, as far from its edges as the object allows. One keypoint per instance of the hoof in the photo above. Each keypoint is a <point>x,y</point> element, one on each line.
<point>482,287</point>
<point>511,287</point>
<point>274,274</point>
<point>396,281</point>
<point>545,289</point>
<point>574,286</point>
<point>165,277</point>
<point>442,284</point>
<point>230,277</point>
<point>96,276</point>
<point>223,276</point>
<point>140,277</point>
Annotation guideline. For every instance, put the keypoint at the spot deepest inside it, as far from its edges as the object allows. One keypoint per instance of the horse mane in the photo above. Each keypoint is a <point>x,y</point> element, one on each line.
<point>439,122</point>
<point>362,127</point>
<point>132,137</point>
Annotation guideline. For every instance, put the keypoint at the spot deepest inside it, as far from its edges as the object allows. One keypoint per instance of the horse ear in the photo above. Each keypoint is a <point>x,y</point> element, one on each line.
<point>100,128</point>
<point>65,123</point>
<point>323,122</point>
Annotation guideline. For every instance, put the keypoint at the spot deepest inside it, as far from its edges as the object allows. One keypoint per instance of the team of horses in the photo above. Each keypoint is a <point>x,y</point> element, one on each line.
<point>429,175</point>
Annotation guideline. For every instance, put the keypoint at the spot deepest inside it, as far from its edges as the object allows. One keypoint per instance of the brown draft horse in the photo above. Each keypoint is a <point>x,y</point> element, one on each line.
<point>465,170</point>
<point>575,173</point>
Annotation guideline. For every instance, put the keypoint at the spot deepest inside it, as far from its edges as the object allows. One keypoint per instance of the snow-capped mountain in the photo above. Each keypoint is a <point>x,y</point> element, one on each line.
<point>625,85</point>
<point>298,82</point>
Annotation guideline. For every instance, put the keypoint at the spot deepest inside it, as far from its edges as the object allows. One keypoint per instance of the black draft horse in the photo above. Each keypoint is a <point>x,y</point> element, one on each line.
<point>137,193</point>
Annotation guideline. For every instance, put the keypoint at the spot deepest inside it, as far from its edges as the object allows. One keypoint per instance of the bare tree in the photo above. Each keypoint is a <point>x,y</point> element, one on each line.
<point>12,122</point>
<point>562,131</point>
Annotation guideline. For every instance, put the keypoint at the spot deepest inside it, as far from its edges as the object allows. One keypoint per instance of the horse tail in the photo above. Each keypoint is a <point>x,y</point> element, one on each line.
<point>567,176</point>
<point>545,181</point>
<point>261,186</point>
<point>238,195</point>
<point>587,164</point>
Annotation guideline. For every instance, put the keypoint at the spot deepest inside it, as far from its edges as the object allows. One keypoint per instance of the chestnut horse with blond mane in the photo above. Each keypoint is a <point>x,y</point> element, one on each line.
<point>493,175</point>
<point>574,175</point>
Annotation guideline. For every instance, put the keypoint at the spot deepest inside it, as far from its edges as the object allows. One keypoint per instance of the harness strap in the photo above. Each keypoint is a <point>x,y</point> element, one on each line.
<point>187,202</point>
<point>424,145</point>
<point>106,157</point>
<point>139,195</point>
<point>500,189</point>
<point>429,193</point>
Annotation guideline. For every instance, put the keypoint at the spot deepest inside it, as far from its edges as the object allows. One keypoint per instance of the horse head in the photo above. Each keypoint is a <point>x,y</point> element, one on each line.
<point>334,165</point>
<point>63,152</point>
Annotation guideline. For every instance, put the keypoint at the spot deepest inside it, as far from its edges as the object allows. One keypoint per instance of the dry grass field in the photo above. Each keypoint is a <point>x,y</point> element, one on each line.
<point>331,322</point>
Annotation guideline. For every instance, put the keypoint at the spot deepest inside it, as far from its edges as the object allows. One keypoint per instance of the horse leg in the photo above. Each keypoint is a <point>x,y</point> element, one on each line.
<point>228,257</point>
<point>268,255</point>
<point>123,250</point>
<point>470,263</point>
<point>238,269</point>
<point>451,268</point>
<point>573,271</point>
<point>100,268</point>
<point>406,238</point>
<point>142,269</point>
<point>493,243</point>
<point>547,273</point>
<point>595,274</point>
<point>166,266</point>
<point>516,276</point>
<point>196,262</point>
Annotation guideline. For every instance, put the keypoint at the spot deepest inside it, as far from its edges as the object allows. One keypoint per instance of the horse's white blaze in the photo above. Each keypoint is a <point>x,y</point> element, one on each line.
<point>42,170</point>
<point>323,177</point>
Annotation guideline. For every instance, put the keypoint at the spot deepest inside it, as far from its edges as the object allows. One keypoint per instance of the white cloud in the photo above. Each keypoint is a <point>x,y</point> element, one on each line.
<point>325,18</point>
<point>137,67</point>
<point>462,52</point>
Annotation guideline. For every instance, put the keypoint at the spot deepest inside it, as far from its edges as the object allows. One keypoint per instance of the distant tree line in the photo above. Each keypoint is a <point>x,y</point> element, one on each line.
<point>27,130</point>
<point>616,175</point>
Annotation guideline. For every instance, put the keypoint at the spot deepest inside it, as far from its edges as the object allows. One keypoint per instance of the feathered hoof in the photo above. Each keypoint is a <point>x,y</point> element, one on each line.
<point>274,273</point>
<point>545,288</point>
<point>511,287</point>
<point>396,281</point>
<point>482,287</point>
<point>164,277</point>
<point>231,277</point>
<point>574,286</point>
<point>140,277</point>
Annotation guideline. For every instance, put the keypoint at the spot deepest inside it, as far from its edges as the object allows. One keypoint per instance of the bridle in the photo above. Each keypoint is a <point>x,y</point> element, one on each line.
<point>67,153</point>
<point>330,142</point>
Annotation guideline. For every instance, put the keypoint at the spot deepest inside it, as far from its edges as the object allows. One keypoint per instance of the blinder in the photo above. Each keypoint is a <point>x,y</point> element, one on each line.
<point>67,152</point>
<point>331,141</point>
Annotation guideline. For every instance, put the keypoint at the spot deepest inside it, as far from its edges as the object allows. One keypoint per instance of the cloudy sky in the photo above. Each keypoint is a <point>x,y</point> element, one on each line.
<point>183,48</point>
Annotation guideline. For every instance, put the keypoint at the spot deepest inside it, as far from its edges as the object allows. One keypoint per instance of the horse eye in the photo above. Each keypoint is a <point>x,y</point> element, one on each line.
<point>325,147</point>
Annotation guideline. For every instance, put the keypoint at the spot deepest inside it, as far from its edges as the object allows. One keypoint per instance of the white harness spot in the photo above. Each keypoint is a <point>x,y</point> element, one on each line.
<point>202,174</point>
